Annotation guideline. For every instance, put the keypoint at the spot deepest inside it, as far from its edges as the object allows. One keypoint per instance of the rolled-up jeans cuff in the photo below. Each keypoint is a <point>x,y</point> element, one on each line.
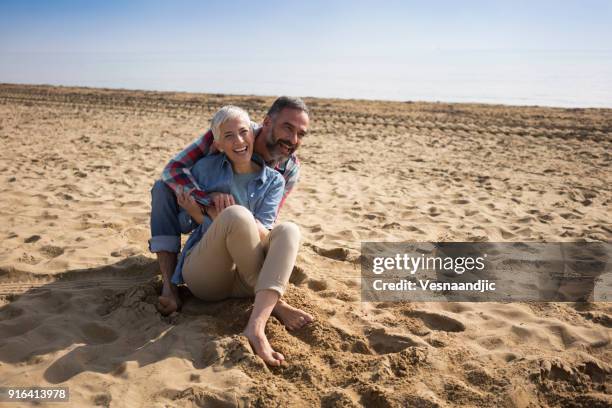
<point>277,288</point>
<point>167,243</point>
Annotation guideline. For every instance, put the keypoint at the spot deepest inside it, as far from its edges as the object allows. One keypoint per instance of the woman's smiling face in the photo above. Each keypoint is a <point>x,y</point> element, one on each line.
<point>236,140</point>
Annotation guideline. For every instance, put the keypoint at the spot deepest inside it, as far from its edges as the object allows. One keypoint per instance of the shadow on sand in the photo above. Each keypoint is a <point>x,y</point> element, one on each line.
<point>102,319</point>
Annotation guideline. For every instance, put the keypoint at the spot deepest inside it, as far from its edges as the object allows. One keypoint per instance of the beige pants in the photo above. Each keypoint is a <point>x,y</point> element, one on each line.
<point>231,261</point>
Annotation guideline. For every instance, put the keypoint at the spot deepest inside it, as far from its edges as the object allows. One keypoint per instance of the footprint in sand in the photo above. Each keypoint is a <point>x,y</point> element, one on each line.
<point>18,326</point>
<point>52,301</point>
<point>77,361</point>
<point>102,400</point>
<point>205,397</point>
<point>505,234</point>
<point>339,254</point>
<point>28,259</point>
<point>392,225</point>
<point>375,396</point>
<point>599,317</point>
<point>317,285</point>
<point>125,252</point>
<point>545,218</point>
<point>65,196</point>
<point>338,398</point>
<point>316,228</point>
<point>384,343</point>
<point>412,228</point>
<point>97,334</point>
<point>298,275</point>
<point>31,239</point>
<point>9,312</point>
<point>557,370</point>
<point>433,211</point>
<point>52,251</point>
<point>437,321</point>
<point>132,203</point>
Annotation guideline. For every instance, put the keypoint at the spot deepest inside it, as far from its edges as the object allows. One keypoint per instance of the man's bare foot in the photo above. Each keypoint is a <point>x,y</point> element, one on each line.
<point>169,300</point>
<point>261,346</point>
<point>290,316</point>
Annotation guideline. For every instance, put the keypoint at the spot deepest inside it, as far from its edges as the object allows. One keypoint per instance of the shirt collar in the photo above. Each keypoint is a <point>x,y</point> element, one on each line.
<point>262,175</point>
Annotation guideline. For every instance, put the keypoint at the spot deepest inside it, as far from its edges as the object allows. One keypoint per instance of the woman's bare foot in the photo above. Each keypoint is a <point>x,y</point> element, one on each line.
<point>169,300</point>
<point>261,346</point>
<point>290,316</point>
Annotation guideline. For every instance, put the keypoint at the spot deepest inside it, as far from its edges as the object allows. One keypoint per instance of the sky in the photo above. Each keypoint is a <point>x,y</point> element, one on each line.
<point>276,28</point>
<point>466,50</point>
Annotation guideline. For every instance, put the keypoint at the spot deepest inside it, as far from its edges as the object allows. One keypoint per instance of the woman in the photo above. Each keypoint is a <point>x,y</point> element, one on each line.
<point>239,252</point>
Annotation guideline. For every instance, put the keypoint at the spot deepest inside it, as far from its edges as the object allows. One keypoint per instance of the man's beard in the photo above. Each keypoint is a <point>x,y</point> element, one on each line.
<point>274,147</point>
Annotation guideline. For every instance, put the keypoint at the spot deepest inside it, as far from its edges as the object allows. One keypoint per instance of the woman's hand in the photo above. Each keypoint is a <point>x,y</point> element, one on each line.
<point>212,212</point>
<point>222,201</point>
<point>186,201</point>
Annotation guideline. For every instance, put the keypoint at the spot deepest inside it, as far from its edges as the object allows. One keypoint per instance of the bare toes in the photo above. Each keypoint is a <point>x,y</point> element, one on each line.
<point>166,305</point>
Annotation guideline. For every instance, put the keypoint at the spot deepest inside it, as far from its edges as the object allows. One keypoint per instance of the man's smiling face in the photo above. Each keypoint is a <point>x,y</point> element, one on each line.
<point>284,132</point>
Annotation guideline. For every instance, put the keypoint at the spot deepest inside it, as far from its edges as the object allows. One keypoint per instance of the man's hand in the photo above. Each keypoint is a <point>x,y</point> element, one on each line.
<point>222,201</point>
<point>186,201</point>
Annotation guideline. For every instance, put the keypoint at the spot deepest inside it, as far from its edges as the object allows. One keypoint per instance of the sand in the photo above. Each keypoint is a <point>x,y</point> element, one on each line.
<point>78,285</point>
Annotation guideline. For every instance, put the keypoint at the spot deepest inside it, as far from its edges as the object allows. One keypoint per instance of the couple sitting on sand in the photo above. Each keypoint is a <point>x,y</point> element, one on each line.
<point>229,186</point>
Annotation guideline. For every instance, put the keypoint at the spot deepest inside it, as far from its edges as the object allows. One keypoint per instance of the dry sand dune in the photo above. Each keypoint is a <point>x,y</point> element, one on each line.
<point>78,285</point>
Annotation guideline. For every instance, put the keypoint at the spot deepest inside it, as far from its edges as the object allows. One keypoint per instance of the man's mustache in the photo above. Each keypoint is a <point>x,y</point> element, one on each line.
<point>286,144</point>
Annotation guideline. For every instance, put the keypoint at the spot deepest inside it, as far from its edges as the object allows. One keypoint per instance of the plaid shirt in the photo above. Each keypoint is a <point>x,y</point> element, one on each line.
<point>177,171</point>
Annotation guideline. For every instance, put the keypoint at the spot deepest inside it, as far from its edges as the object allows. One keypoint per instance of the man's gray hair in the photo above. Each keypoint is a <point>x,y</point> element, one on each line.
<point>228,112</point>
<point>289,102</point>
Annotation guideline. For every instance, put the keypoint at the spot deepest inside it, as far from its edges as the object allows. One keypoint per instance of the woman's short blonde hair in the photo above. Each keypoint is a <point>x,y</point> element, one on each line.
<point>224,114</point>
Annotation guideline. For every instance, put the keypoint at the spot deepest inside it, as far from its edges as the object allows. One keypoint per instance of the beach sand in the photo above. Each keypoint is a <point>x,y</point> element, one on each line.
<point>78,284</point>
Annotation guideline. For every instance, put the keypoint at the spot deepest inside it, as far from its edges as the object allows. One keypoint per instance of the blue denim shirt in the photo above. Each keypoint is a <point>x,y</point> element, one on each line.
<point>214,174</point>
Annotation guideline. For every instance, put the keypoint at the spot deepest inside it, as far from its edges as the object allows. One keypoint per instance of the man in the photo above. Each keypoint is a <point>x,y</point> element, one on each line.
<point>276,141</point>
